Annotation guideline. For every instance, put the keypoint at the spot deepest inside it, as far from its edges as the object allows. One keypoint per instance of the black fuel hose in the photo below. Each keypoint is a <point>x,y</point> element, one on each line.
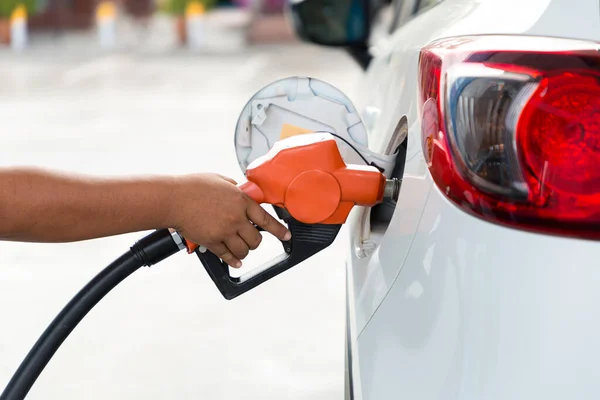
<point>148,251</point>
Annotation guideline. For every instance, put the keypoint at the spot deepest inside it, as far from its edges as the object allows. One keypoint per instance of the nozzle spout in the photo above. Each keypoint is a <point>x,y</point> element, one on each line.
<point>392,189</point>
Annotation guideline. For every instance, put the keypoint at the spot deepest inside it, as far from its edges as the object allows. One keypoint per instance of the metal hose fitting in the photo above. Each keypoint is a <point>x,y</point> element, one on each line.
<point>392,189</point>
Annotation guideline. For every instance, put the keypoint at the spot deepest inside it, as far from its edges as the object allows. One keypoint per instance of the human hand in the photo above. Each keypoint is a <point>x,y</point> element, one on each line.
<point>210,210</point>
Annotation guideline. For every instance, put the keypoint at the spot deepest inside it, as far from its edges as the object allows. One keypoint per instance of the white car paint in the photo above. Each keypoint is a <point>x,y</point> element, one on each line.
<point>445,305</point>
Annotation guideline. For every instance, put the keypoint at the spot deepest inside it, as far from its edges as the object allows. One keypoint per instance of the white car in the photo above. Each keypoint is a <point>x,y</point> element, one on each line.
<point>484,281</point>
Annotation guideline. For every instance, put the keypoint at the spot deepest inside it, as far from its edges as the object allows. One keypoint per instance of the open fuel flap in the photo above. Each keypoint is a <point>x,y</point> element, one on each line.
<point>298,105</point>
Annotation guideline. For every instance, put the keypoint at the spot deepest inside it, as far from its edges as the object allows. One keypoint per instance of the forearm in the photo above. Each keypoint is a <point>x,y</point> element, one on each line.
<point>40,206</point>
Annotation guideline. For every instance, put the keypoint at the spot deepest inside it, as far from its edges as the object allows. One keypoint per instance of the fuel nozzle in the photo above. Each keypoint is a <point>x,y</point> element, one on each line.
<point>392,189</point>
<point>313,190</point>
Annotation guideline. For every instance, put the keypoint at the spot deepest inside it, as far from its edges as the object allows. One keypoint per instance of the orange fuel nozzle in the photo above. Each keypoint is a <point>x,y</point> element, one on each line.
<point>307,176</point>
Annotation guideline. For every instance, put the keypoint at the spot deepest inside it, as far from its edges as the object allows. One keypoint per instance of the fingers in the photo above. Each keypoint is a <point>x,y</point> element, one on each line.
<point>262,218</point>
<point>250,235</point>
<point>226,255</point>
<point>238,247</point>
<point>232,251</point>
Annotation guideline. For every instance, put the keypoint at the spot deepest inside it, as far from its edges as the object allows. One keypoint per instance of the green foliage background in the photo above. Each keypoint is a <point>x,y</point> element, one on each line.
<point>177,7</point>
<point>8,6</point>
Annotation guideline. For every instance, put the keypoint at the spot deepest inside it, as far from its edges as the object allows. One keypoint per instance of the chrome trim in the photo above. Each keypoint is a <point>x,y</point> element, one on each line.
<point>453,77</point>
<point>178,239</point>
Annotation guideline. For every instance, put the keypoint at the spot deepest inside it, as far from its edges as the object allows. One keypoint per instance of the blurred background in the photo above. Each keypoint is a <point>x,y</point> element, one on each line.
<point>155,87</point>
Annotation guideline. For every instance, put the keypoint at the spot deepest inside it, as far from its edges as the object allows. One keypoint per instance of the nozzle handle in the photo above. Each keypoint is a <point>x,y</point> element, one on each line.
<point>307,240</point>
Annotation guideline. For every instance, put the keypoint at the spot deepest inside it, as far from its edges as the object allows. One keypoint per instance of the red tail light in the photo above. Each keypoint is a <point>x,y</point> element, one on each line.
<point>511,129</point>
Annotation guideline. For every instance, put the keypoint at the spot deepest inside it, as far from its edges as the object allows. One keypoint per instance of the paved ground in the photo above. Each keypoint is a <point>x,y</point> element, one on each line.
<point>165,333</point>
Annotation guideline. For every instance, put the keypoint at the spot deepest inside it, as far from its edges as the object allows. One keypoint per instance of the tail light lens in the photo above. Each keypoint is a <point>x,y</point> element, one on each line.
<point>511,129</point>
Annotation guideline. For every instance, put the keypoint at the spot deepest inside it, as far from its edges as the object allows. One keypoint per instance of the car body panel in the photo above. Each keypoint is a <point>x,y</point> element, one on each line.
<point>482,311</point>
<point>425,336</point>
